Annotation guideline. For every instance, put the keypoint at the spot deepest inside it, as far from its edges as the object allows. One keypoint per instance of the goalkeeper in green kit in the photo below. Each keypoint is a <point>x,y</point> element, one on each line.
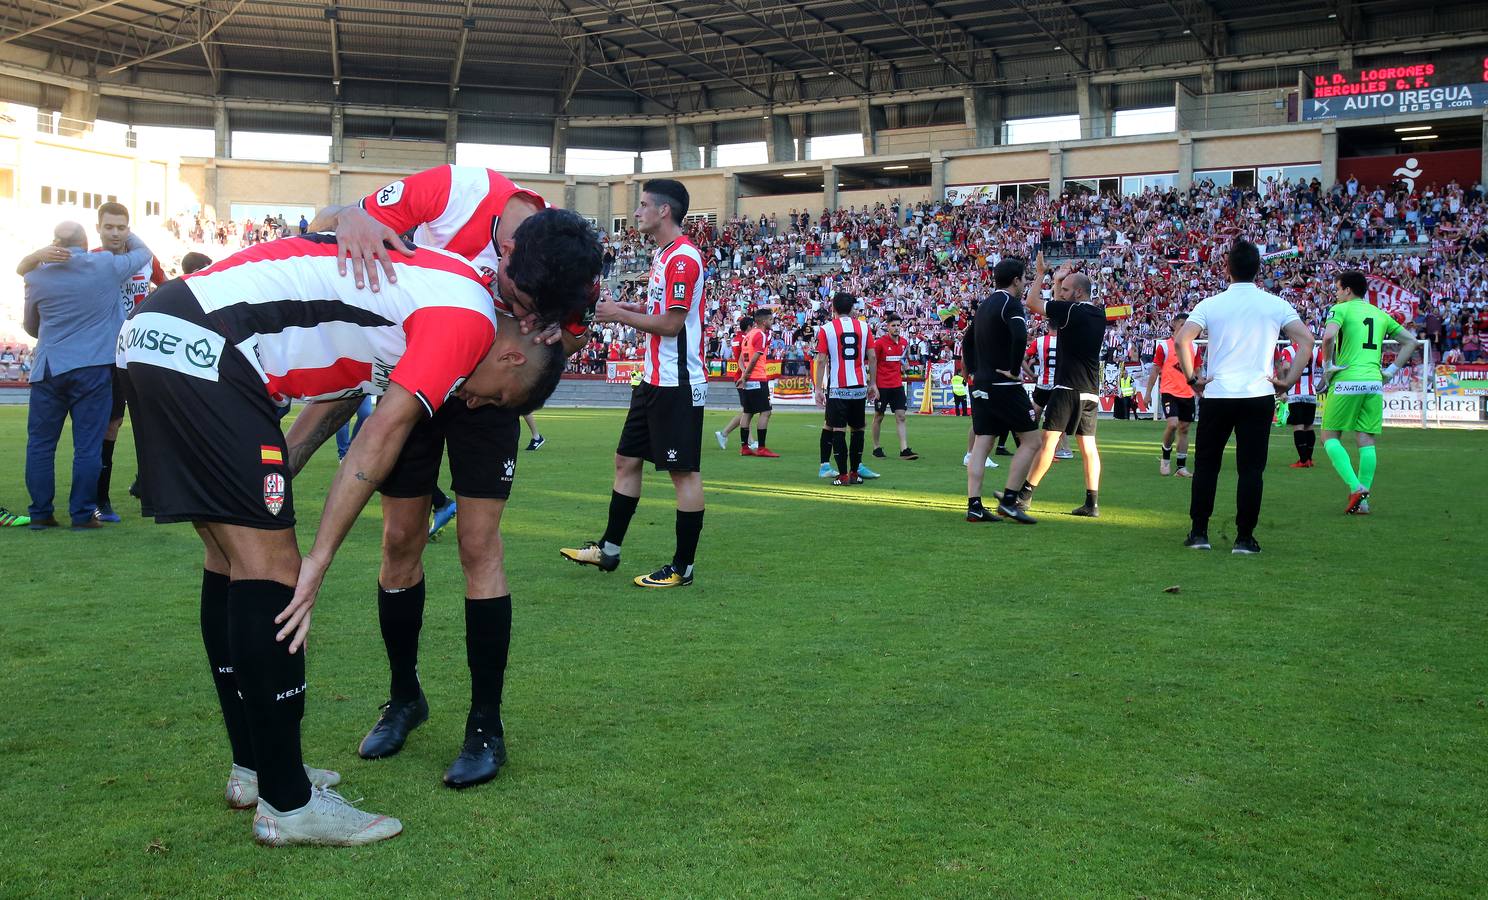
<point>1356,332</point>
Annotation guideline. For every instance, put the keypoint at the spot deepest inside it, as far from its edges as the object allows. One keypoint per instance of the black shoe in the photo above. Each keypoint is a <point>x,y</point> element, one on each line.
<point>1197,540</point>
<point>1024,502</point>
<point>979,513</point>
<point>878,453</point>
<point>1015,514</point>
<point>481,758</point>
<point>398,718</point>
<point>1088,511</point>
<point>134,489</point>
<point>1002,451</point>
<point>907,453</point>
<point>1246,546</point>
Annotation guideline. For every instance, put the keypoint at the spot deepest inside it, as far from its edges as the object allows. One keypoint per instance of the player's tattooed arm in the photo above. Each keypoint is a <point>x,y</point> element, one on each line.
<point>314,425</point>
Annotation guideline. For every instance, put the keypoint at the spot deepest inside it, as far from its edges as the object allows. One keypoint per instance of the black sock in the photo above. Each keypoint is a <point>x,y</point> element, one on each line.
<point>1168,451</point>
<point>1092,499</point>
<point>1299,439</point>
<point>272,682</point>
<point>689,527</point>
<point>1183,460</point>
<point>973,502</point>
<point>401,615</point>
<point>219,659</point>
<point>439,500</point>
<point>106,475</point>
<point>622,508</point>
<point>1010,496</point>
<point>855,450</point>
<point>839,450</point>
<point>488,625</point>
<point>760,432</point>
<point>1309,445</point>
<point>743,437</point>
<point>826,445</point>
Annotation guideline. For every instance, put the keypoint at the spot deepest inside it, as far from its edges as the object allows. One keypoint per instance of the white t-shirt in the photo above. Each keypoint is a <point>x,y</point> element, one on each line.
<point>1243,323</point>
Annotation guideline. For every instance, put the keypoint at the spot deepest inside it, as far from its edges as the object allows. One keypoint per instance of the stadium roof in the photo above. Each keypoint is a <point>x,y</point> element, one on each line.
<point>546,58</point>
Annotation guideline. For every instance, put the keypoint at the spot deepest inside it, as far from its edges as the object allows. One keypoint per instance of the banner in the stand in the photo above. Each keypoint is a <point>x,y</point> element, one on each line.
<point>939,389</point>
<point>958,194</point>
<point>619,371</point>
<point>1404,407</point>
<point>772,368</point>
<point>1400,303</point>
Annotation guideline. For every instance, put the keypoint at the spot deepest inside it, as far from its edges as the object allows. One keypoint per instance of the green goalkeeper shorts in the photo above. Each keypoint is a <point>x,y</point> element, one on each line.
<point>1355,406</point>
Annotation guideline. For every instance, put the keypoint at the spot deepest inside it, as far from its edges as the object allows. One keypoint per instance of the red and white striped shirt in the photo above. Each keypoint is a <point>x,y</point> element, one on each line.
<point>312,335</point>
<point>676,283</point>
<point>1045,351</point>
<point>843,344</point>
<point>139,285</point>
<point>1305,390</point>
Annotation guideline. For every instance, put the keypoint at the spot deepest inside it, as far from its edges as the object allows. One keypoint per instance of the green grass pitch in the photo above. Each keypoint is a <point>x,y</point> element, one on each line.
<point>862,694</point>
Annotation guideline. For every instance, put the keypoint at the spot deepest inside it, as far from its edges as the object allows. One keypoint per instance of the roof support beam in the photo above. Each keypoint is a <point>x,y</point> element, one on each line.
<point>466,24</point>
<point>166,51</point>
<point>333,18</point>
<point>1201,22</point>
<point>52,23</point>
<point>1069,30</point>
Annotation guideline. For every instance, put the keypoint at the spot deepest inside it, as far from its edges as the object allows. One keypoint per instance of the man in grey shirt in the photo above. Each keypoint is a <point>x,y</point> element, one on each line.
<point>73,310</point>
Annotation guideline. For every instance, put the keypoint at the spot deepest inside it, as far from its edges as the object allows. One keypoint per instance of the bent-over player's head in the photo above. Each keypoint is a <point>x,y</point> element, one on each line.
<point>551,266</point>
<point>113,226</point>
<point>662,200</point>
<point>515,373</point>
<point>1352,285</point>
<point>69,235</point>
<point>1244,261</point>
<point>843,303</point>
<point>194,262</point>
<point>1007,275</point>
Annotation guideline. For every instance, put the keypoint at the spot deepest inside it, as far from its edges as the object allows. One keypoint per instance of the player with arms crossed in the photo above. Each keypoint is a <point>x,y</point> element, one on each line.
<point>665,422</point>
<point>888,361</point>
<point>842,384</point>
<point>1352,350</point>
<point>1179,399</point>
<point>210,358</point>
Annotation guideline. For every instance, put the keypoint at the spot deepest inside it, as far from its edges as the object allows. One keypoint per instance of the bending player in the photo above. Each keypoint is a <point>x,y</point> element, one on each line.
<point>1352,349</point>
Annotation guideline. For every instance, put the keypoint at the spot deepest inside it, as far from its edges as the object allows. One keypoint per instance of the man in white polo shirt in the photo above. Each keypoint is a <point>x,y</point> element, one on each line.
<point>1243,324</point>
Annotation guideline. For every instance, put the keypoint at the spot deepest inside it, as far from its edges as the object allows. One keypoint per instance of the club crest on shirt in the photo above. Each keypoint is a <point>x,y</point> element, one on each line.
<point>274,492</point>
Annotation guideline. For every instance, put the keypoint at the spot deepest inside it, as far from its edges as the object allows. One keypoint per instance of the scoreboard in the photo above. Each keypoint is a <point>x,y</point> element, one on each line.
<point>1405,76</point>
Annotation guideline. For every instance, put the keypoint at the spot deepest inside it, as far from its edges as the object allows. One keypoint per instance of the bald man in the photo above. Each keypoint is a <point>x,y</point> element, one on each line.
<point>1074,401</point>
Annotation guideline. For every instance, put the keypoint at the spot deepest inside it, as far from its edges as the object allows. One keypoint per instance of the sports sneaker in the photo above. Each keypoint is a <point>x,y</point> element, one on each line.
<point>754,445</point>
<point>850,478</point>
<point>978,513</point>
<point>1015,514</point>
<point>865,472</point>
<point>1183,472</point>
<point>242,784</point>
<point>1357,497</point>
<point>9,519</point>
<point>1299,464</point>
<point>766,453</point>
<point>1064,454</point>
<point>1196,540</point>
<point>722,441</point>
<point>536,442</point>
<point>826,471</point>
<point>1164,467</point>
<point>745,451</point>
<point>106,514</point>
<point>328,819</point>
<point>1246,546</point>
<point>134,489</point>
<point>907,453</point>
<point>1086,511</point>
<point>1311,463</point>
<point>397,719</point>
<point>879,454</point>
<point>442,517</point>
<point>1363,509</point>
<point>664,577</point>
<point>592,554</point>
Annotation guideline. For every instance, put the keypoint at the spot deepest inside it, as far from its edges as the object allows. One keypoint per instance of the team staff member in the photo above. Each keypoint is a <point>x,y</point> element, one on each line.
<point>665,423</point>
<point>841,384</point>
<point>888,359</point>
<point>1074,401</point>
<point>1179,400</point>
<point>1243,322</point>
<point>545,265</point>
<point>754,384</point>
<point>210,358</point>
<point>998,401</point>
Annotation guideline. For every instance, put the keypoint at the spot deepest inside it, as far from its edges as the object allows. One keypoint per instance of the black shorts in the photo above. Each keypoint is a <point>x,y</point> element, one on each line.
<point>1071,412</point>
<point>482,445</point>
<point>1180,408</point>
<point>1041,396</point>
<point>116,411</point>
<point>665,426</point>
<point>847,413</point>
<point>892,399</point>
<point>1001,408</point>
<point>755,400</point>
<point>205,430</point>
<point>1302,412</point>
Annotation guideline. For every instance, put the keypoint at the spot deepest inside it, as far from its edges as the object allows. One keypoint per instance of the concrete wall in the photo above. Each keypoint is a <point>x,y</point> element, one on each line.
<point>782,204</point>
<point>408,156</point>
<point>298,184</point>
<point>929,139</point>
<point>869,198</point>
<point>1238,109</point>
<point>1121,159</point>
<point>1245,151</point>
<point>1030,164</point>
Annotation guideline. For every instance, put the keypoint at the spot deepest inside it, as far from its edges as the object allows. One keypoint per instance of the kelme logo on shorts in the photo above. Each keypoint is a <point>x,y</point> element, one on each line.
<point>157,339</point>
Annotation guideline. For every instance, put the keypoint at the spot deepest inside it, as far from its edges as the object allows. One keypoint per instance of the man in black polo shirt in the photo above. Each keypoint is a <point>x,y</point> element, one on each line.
<point>1074,401</point>
<point>998,401</point>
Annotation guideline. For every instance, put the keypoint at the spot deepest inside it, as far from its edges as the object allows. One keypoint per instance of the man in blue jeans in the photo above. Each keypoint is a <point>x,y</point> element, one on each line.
<point>72,309</point>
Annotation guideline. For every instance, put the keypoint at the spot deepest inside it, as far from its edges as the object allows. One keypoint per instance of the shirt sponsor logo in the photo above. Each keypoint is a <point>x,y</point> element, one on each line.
<point>382,373</point>
<point>274,492</point>
<point>700,394</point>
<point>391,194</point>
<point>1346,388</point>
<point>679,291</point>
<point>157,339</point>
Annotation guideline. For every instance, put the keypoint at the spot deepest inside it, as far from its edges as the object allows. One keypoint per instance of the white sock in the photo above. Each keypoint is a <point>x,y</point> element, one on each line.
<point>611,549</point>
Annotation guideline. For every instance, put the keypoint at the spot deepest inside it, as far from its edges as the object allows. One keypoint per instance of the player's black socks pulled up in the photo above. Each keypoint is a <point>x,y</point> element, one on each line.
<point>622,509</point>
<point>855,451</point>
<point>219,657</point>
<point>1168,452</point>
<point>1010,496</point>
<point>743,437</point>
<point>488,625</point>
<point>761,433</point>
<point>106,475</point>
<point>689,527</point>
<point>1092,499</point>
<point>1299,440</point>
<point>826,445</point>
<point>839,450</point>
<point>438,499</point>
<point>1183,461</point>
<point>400,613</point>
<point>272,681</point>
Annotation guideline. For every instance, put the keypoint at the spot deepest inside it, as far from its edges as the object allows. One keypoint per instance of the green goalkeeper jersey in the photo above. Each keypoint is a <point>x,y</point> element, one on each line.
<point>1362,331</point>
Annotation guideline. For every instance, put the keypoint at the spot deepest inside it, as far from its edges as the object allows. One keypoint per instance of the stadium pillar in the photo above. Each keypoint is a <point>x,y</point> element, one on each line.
<point>1095,108</point>
<point>571,193</point>
<point>558,153</point>
<point>1185,160</point>
<point>451,136</point>
<point>79,111</point>
<point>1056,171</point>
<point>604,213</point>
<point>212,204</point>
<point>1329,160</point>
<point>829,187</point>
<point>338,152</point>
<point>683,141</point>
<point>780,139</point>
<point>871,120</point>
<point>937,176</point>
<point>730,197</point>
<point>1483,148</point>
<point>222,132</point>
<point>983,116</point>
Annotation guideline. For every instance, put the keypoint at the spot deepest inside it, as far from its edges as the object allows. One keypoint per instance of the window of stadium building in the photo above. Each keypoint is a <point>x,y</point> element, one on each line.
<point>275,147</point>
<point>1041,130</point>
<point>656,160</point>
<point>1155,120</point>
<point>1288,174</point>
<point>1020,193</point>
<point>1241,178</point>
<point>591,161</point>
<point>829,146</point>
<point>504,157</point>
<point>159,139</point>
<point>748,154</point>
<point>1136,184</point>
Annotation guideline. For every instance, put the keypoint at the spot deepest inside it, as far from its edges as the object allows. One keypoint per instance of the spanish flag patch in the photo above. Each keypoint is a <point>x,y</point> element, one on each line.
<point>270,456</point>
